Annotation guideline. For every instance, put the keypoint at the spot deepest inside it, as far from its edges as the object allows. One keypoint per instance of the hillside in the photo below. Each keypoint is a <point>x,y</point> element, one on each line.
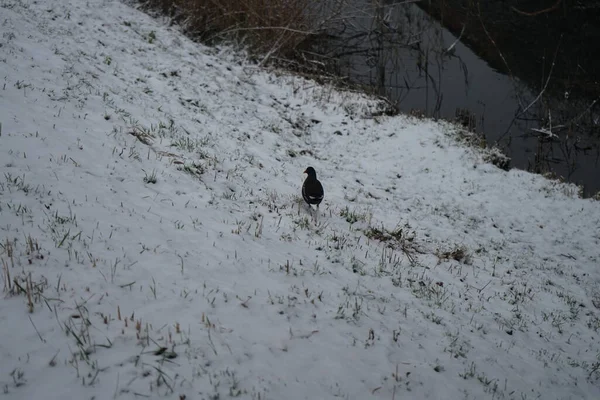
<point>154,242</point>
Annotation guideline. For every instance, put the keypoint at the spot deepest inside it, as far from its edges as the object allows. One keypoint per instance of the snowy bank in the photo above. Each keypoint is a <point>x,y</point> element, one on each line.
<point>154,242</point>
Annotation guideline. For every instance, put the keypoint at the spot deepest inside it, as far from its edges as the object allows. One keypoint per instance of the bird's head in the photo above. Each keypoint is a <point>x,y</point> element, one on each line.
<point>311,172</point>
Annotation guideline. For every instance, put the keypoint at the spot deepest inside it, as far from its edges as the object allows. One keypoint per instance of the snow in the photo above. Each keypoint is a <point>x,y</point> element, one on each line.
<point>429,273</point>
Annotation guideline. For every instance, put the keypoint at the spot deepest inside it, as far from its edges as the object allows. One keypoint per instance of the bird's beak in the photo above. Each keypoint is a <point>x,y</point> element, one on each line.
<point>305,172</point>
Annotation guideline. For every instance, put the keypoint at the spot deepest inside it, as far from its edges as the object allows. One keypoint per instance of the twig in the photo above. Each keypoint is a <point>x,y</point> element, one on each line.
<point>549,134</point>
<point>584,111</point>
<point>94,377</point>
<point>547,80</point>
<point>162,375</point>
<point>245,302</point>
<point>457,39</point>
<point>29,286</point>
<point>270,28</point>
<point>568,256</point>
<point>274,49</point>
<point>481,290</point>
<point>495,45</point>
<point>7,283</point>
<point>534,13</point>
<point>520,113</point>
<point>36,330</point>
<point>116,387</point>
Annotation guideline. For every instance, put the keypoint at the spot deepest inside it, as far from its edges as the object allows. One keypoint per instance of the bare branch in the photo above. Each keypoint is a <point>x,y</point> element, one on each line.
<point>534,13</point>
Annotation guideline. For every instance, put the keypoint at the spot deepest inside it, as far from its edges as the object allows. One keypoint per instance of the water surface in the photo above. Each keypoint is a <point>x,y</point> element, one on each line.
<point>407,55</point>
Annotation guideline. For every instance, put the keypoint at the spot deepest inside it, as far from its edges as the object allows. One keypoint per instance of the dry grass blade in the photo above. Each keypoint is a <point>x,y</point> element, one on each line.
<point>6,274</point>
<point>142,135</point>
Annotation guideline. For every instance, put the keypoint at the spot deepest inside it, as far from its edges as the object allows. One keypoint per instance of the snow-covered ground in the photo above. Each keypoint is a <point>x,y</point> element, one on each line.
<point>154,242</point>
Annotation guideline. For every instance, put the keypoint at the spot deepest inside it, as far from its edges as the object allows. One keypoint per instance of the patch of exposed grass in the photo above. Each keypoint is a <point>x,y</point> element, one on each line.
<point>150,177</point>
<point>402,238</point>
<point>194,168</point>
<point>458,253</point>
<point>354,216</point>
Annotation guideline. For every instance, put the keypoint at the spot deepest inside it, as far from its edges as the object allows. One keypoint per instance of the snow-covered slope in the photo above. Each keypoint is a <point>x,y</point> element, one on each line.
<point>154,242</point>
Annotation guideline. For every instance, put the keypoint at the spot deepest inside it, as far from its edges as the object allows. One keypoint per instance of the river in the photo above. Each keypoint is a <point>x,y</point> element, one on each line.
<point>528,95</point>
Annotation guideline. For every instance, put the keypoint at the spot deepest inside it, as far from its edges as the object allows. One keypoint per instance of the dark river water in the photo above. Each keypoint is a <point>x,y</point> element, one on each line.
<point>529,103</point>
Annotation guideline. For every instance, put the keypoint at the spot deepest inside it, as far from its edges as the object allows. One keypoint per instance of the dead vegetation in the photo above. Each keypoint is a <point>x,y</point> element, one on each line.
<point>459,254</point>
<point>270,28</point>
<point>17,281</point>
<point>401,238</point>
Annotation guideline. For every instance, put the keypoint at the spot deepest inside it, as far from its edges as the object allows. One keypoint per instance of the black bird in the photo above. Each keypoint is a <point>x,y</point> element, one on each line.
<point>312,190</point>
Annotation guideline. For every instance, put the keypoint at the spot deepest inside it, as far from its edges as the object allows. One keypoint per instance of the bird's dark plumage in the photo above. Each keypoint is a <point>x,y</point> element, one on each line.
<point>312,190</point>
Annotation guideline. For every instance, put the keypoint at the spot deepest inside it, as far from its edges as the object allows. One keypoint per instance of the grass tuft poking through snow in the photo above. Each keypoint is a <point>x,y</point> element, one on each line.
<point>154,243</point>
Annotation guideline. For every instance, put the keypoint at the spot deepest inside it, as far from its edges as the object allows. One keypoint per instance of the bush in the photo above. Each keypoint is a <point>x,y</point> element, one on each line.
<point>268,27</point>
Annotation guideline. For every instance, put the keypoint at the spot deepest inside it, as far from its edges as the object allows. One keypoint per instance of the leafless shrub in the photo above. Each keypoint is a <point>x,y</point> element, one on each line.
<point>266,27</point>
